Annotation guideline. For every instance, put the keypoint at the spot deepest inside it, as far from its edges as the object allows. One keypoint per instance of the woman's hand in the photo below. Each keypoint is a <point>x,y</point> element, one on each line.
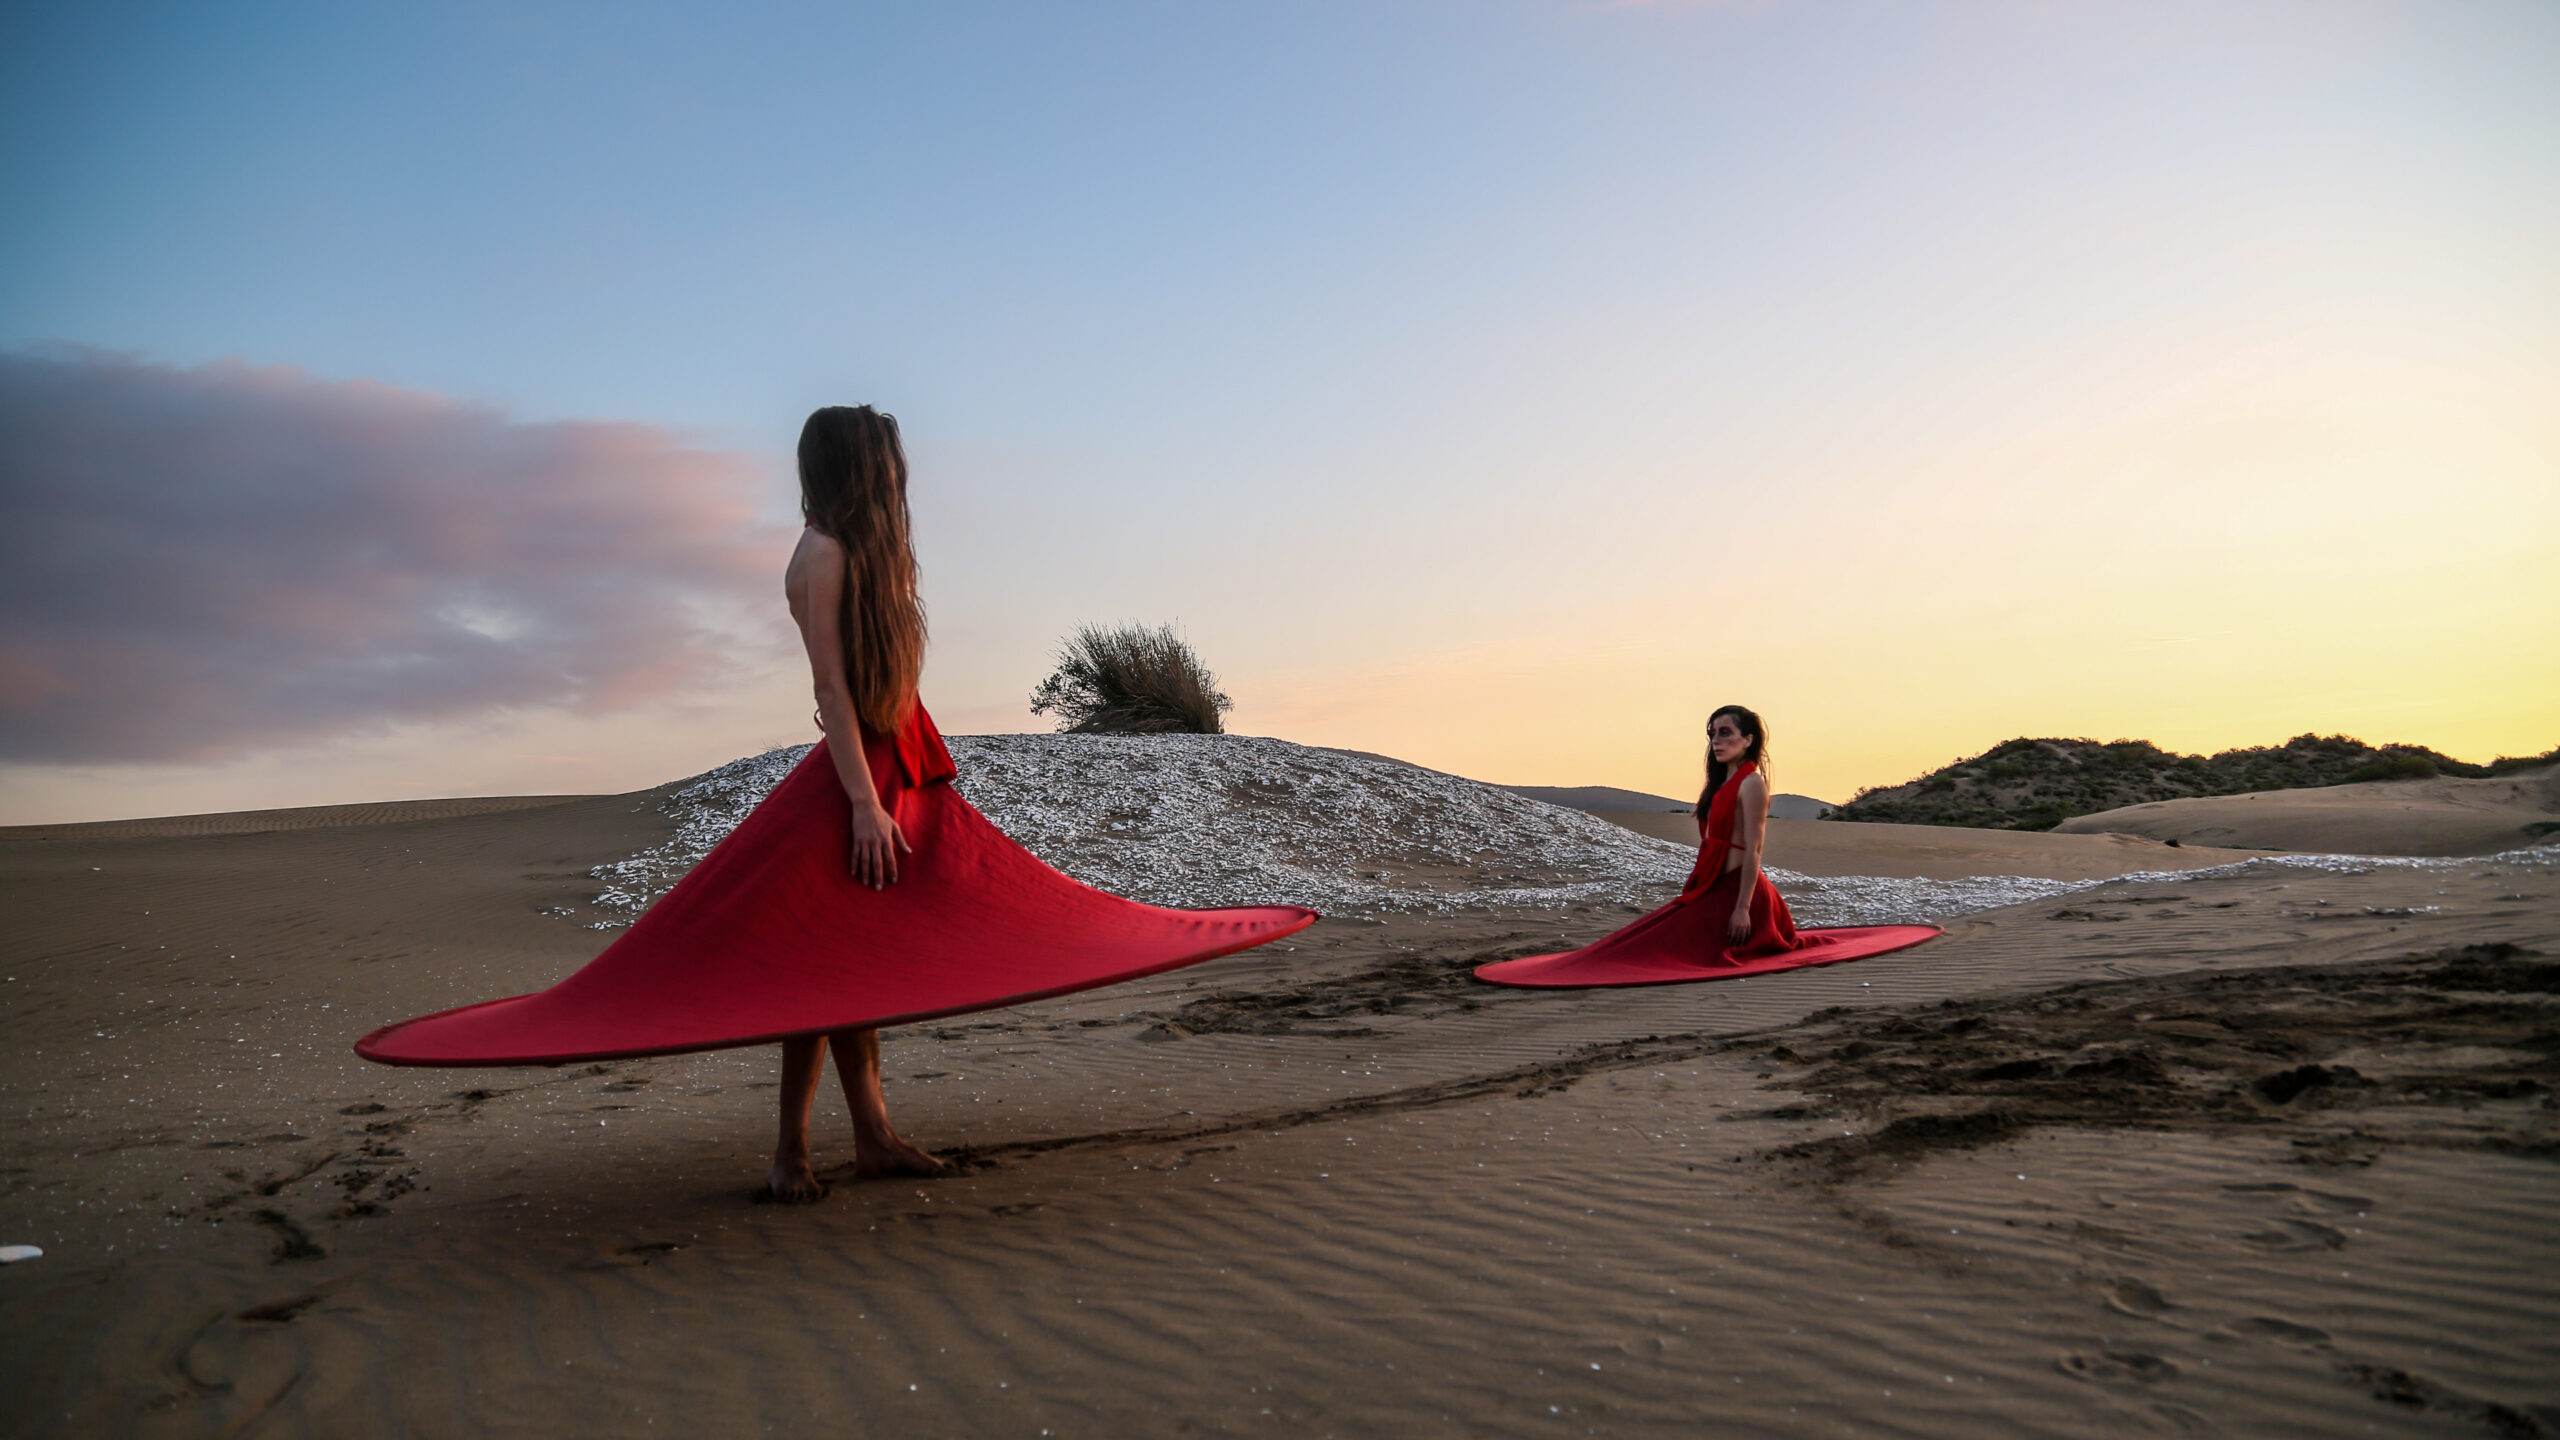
<point>1740,928</point>
<point>876,843</point>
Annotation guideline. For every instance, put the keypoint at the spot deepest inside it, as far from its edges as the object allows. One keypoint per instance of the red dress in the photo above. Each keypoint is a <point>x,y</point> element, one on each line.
<point>1773,929</point>
<point>1688,939</point>
<point>771,937</point>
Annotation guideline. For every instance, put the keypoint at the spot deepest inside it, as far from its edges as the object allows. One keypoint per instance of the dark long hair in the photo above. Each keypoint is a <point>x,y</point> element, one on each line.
<point>1758,754</point>
<point>853,487</point>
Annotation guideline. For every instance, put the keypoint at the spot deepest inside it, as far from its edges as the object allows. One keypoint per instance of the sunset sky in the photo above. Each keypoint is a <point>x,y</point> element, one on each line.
<point>397,401</point>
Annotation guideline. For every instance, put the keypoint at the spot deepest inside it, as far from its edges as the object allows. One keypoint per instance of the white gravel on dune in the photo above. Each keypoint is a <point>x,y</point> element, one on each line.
<point>1235,820</point>
<point>1211,820</point>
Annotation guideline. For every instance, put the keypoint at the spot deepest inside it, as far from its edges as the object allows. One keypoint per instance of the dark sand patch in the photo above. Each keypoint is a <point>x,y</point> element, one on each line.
<point>2455,1050</point>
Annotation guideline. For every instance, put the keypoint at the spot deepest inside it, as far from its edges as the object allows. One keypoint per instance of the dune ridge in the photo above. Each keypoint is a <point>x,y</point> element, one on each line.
<point>2438,816</point>
<point>266,822</point>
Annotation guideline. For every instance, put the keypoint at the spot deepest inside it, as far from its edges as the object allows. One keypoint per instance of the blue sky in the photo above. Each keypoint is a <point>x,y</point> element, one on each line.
<point>1496,385</point>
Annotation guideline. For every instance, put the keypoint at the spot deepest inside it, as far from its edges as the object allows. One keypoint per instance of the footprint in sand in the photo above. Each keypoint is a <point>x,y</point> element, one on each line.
<point>281,1312</point>
<point>292,1241</point>
<point>634,1256</point>
<point>2117,1367</point>
<point>2133,1297</point>
<point>2268,1327</point>
<point>2417,1392</point>
<point>2305,1198</point>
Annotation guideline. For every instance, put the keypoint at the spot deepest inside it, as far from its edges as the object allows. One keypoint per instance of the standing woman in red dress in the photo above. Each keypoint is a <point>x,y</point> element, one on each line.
<point>863,891</point>
<point>852,588</point>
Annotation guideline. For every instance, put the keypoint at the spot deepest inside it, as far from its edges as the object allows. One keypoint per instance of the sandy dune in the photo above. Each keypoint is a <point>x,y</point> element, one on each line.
<point>2440,816</point>
<point>1944,852</point>
<point>2266,1151</point>
<point>1609,800</point>
<point>1599,797</point>
<point>263,822</point>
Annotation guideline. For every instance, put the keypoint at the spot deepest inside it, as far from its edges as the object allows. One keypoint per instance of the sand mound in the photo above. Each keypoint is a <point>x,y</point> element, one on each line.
<point>2441,816</point>
<point>1209,820</point>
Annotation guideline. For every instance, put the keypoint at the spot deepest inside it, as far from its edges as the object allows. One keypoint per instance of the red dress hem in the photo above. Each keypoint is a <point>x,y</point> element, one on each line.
<point>770,937</point>
<point>1686,939</point>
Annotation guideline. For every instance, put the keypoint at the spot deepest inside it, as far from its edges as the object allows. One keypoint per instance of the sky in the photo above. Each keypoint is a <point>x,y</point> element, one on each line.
<point>397,401</point>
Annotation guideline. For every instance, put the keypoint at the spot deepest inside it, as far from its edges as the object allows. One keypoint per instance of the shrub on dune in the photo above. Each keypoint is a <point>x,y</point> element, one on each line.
<point>2392,767</point>
<point>1131,680</point>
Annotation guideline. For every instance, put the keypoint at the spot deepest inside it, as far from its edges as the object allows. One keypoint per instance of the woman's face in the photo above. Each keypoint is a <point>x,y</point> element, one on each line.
<point>1727,740</point>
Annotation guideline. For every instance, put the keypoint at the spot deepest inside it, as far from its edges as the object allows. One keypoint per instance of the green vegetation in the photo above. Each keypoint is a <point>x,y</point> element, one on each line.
<point>1131,680</point>
<point>2393,767</point>
<point>2038,784</point>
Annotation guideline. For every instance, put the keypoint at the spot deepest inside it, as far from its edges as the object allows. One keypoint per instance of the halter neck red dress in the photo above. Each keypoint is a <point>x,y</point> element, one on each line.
<point>1686,939</point>
<point>770,937</point>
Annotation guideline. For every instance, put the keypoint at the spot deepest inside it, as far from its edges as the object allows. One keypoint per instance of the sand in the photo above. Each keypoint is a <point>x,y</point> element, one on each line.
<point>1606,798</point>
<point>2265,1150</point>
<point>265,822</point>
<point>2440,816</point>
<point>1945,852</point>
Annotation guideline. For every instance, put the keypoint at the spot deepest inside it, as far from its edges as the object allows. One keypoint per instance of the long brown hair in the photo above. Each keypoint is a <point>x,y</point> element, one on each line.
<point>1758,754</point>
<point>853,488</point>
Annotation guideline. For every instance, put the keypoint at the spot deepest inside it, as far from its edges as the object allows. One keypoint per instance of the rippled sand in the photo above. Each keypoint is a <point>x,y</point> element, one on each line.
<point>2060,1172</point>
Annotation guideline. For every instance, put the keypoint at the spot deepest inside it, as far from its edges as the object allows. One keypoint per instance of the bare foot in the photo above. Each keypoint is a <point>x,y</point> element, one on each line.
<point>891,1155</point>
<point>792,1182</point>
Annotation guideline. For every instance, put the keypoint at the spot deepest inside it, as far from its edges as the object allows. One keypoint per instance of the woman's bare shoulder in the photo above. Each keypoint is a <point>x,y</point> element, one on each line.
<point>815,575</point>
<point>1755,785</point>
<point>816,554</point>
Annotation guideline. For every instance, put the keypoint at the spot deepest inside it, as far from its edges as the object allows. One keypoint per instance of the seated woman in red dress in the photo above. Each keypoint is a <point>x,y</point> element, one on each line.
<point>1733,825</point>
<point>1728,921</point>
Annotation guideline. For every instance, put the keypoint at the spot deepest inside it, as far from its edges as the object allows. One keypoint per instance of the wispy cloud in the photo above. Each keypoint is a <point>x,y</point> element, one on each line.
<point>198,563</point>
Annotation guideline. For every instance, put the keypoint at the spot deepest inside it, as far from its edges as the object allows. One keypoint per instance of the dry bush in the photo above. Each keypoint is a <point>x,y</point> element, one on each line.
<point>1131,680</point>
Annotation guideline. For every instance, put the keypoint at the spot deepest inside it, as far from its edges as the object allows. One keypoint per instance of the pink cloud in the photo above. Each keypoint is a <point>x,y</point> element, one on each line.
<point>195,563</point>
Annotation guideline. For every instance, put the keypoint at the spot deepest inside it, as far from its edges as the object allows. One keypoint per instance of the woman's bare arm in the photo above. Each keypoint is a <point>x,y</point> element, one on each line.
<point>815,583</point>
<point>1751,817</point>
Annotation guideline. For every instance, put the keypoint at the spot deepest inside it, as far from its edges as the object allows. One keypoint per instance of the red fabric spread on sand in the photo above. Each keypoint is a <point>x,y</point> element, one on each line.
<point>1687,939</point>
<point>769,936</point>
